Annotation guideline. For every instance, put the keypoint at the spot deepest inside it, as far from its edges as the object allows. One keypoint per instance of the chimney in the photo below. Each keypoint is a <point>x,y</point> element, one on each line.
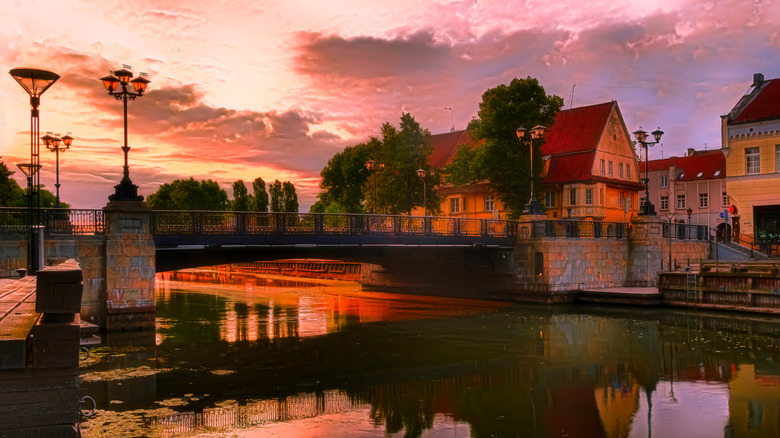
<point>691,151</point>
<point>758,79</point>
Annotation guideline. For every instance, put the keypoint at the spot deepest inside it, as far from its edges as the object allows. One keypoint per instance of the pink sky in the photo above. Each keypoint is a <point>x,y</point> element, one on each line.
<point>247,88</point>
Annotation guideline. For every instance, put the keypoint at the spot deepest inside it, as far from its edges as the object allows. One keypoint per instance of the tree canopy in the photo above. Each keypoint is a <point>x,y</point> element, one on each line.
<point>12,195</point>
<point>242,201</point>
<point>505,162</point>
<point>260,198</point>
<point>189,194</point>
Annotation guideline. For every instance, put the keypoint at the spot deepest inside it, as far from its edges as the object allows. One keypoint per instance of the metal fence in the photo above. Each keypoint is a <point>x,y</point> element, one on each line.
<point>232,223</point>
<point>686,231</point>
<point>581,229</point>
<point>54,220</point>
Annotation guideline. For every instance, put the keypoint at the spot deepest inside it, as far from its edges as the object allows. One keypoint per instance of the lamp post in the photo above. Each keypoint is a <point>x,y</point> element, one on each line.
<point>690,212</point>
<point>671,218</point>
<point>57,145</point>
<point>35,83</point>
<point>533,207</point>
<point>126,190</point>
<point>646,208</point>
<point>372,167</point>
<point>423,174</point>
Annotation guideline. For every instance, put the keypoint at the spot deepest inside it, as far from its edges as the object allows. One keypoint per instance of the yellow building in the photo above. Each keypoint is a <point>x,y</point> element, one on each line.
<point>751,141</point>
<point>590,169</point>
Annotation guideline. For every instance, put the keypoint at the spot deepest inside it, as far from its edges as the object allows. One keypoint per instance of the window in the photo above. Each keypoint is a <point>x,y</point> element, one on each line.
<point>620,170</point>
<point>704,200</point>
<point>572,197</point>
<point>602,167</point>
<point>725,198</point>
<point>664,181</point>
<point>489,203</point>
<point>549,199</point>
<point>628,171</point>
<point>752,161</point>
<point>620,199</point>
<point>699,175</point>
<point>601,196</point>
<point>717,173</point>
<point>777,158</point>
<point>681,202</point>
<point>454,205</point>
<point>664,203</point>
<point>609,168</point>
<point>628,202</point>
<point>588,196</point>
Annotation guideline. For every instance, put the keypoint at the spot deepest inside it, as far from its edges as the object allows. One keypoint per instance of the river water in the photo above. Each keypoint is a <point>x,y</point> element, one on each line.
<point>261,356</point>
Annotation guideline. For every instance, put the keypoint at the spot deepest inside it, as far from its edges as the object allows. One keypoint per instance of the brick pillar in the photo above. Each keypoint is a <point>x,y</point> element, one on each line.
<point>130,262</point>
<point>646,250</point>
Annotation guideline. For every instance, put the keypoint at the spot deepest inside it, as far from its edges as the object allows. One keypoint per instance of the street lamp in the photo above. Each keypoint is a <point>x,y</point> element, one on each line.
<point>646,208</point>
<point>422,173</point>
<point>533,207</point>
<point>35,83</point>
<point>126,190</point>
<point>372,167</point>
<point>670,215</point>
<point>690,212</point>
<point>57,145</point>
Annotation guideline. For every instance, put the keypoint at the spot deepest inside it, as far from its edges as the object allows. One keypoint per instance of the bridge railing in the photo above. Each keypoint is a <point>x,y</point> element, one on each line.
<point>686,231</point>
<point>165,222</point>
<point>56,221</point>
<point>581,229</point>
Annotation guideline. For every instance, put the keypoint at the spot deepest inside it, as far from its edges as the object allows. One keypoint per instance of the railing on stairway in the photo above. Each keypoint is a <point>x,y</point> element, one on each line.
<point>55,221</point>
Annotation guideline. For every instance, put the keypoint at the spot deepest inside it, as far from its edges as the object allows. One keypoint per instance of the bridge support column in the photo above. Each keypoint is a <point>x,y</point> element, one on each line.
<point>130,266</point>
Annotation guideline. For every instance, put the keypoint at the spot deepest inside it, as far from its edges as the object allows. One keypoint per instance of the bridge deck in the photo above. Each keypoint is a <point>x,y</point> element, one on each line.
<point>17,318</point>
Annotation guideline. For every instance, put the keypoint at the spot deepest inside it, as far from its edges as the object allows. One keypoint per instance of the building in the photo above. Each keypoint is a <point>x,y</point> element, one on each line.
<point>751,142</point>
<point>590,169</point>
<point>690,189</point>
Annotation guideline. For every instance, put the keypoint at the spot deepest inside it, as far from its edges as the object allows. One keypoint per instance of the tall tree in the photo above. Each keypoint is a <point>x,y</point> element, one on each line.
<point>241,199</point>
<point>275,192</point>
<point>466,166</point>
<point>289,198</point>
<point>344,178</point>
<point>11,195</point>
<point>505,161</point>
<point>260,195</point>
<point>189,194</point>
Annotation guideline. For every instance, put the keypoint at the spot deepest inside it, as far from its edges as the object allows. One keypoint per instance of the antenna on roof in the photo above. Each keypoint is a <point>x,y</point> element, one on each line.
<point>452,119</point>
<point>705,147</point>
<point>571,98</point>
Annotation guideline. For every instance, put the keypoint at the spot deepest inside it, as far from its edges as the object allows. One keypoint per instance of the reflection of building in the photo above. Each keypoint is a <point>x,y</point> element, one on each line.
<point>751,140</point>
<point>590,169</point>
<point>753,402</point>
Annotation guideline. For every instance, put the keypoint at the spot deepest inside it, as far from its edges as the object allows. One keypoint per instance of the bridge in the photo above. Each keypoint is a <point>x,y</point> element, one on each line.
<point>122,246</point>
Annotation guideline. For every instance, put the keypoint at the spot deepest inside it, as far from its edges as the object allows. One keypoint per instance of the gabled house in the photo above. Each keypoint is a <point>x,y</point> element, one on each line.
<point>590,169</point>
<point>751,142</point>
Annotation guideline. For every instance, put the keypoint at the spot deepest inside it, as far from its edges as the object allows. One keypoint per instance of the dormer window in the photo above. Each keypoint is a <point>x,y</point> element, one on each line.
<point>698,175</point>
<point>717,173</point>
<point>682,175</point>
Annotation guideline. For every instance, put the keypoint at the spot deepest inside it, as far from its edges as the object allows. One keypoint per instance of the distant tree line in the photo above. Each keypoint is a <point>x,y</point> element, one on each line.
<point>12,195</point>
<point>190,194</point>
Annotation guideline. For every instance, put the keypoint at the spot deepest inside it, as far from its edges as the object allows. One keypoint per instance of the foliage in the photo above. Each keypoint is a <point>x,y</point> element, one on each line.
<point>241,199</point>
<point>467,166</point>
<point>10,193</point>
<point>289,197</point>
<point>260,198</point>
<point>189,194</point>
<point>275,192</point>
<point>347,185</point>
<point>505,161</point>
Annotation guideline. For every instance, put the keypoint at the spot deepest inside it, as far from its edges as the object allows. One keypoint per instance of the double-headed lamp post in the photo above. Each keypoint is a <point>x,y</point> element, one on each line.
<point>57,145</point>
<point>126,190</point>
<point>533,207</point>
<point>35,82</point>
<point>646,208</point>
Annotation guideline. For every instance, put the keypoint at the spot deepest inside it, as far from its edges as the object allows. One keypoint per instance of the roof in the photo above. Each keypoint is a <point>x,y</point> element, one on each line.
<point>569,168</point>
<point>763,103</point>
<point>446,145</point>
<point>706,163</point>
<point>577,129</point>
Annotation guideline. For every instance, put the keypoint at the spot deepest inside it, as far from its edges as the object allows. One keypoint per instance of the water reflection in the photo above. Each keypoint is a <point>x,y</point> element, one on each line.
<point>286,358</point>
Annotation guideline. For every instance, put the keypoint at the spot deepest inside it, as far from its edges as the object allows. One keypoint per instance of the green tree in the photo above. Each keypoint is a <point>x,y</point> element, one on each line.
<point>344,178</point>
<point>241,199</point>
<point>466,166</point>
<point>260,195</point>
<point>289,198</point>
<point>11,195</point>
<point>505,162</point>
<point>189,194</point>
<point>275,192</point>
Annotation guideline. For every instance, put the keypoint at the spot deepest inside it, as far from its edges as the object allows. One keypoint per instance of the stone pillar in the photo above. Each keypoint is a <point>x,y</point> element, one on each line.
<point>130,266</point>
<point>646,251</point>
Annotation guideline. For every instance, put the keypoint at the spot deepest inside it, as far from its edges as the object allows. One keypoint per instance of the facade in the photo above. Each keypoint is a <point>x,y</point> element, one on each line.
<point>695,183</point>
<point>590,169</point>
<point>751,143</point>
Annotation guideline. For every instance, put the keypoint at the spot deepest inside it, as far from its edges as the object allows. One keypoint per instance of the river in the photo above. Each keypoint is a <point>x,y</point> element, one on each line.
<point>263,356</point>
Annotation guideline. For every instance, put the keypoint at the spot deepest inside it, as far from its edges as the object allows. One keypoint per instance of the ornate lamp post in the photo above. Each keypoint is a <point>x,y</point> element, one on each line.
<point>57,145</point>
<point>533,207</point>
<point>670,215</point>
<point>35,83</point>
<point>690,212</point>
<point>423,174</point>
<point>126,190</point>
<point>373,167</point>
<point>646,208</point>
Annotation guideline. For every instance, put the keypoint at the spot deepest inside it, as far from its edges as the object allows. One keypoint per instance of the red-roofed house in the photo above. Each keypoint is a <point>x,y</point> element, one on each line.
<point>696,182</point>
<point>590,169</point>
<point>751,142</point>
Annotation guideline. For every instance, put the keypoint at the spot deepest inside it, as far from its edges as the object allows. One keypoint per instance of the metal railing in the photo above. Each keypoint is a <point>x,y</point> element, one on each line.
<point>55,221</point>
<point>685,231</point>
<point>581,229</point>
<point>166,222</point>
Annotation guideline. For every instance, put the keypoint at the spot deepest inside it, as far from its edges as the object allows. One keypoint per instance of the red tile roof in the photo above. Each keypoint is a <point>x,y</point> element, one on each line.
<point>765,105</point>
<point>705,162</point>
<point>570,168</point>
<point>577,129</point>
<point>445,145</point>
